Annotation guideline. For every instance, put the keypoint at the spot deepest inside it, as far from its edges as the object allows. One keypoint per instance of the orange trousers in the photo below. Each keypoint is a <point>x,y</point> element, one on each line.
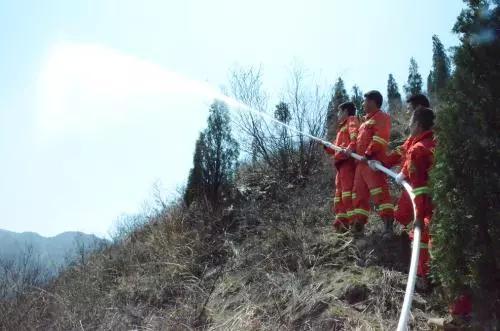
<point>343,193</point>
<point>404,216</point>
<point>368,182</point>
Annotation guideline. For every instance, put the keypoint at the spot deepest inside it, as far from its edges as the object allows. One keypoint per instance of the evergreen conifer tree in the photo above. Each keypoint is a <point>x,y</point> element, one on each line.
<point>215,158</point>
<point>414,83</point>
<point>339,96</point>
<point>393,96</point>
<point>466,178</point>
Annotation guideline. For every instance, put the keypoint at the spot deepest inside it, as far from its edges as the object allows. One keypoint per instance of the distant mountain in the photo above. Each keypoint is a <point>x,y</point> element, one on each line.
<point>52,252</point>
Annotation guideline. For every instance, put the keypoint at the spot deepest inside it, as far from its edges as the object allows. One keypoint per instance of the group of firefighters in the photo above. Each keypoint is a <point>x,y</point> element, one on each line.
<point>358,181</point>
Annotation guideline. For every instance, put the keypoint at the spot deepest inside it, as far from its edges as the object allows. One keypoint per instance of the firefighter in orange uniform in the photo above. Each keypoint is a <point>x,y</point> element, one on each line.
<point>347,133</point>
<point>418,160</point>
<point>371,144</point>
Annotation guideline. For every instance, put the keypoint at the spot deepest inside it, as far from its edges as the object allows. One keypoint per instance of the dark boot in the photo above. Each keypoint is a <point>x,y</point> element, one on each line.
<point>405,248</point>
<point>388,228</point>
<point>423,285</point>
<point>341,227</point>
<point>358,229</point>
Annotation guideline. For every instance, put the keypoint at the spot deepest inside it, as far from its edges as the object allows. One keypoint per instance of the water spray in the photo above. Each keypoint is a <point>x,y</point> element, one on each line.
<point>412,274</point>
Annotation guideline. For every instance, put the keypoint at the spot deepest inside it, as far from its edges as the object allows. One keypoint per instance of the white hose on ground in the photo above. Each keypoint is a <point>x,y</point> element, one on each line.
<point>410,285</point>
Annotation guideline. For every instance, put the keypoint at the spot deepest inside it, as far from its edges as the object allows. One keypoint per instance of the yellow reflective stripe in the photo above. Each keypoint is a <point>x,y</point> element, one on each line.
<point>380,140</point>
<point>386,206</point>
<point>376,190</point>
<point>354,195</point>
<point>370,122</point>
<point>362,212</point>
<point>346,194</point>
<point>341,215</point>
<point>398,150</point>
<point>421,190</point>
<point>350,213</point>
<point>336,199</point>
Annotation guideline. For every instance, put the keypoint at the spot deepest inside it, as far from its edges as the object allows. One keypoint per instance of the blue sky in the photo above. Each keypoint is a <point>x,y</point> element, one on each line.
<point>90,118</point>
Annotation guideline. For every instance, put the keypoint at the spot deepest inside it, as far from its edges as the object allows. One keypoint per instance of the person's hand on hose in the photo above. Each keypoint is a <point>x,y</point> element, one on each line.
<point>327,148</point>
<point>373,164</point>
<point>400,178</point>
<point>346,152</point>
<point>363,159</point>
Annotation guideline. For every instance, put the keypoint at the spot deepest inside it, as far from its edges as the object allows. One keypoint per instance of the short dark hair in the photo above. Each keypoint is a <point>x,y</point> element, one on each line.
<point>424,117</point>
<point>349,106</point>
<point>375,96</point>
<point>418,100</point>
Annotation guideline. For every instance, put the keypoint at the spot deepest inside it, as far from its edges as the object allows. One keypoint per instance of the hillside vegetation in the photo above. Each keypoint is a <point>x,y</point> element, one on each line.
<point>269,261</point>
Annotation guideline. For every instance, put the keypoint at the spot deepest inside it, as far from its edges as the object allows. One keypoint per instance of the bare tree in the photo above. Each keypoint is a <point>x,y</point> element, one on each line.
<point>303,106</point>
<point>21,273</point>
<point>126,225</point>
<point>246,86</point>
<point>308,108</point>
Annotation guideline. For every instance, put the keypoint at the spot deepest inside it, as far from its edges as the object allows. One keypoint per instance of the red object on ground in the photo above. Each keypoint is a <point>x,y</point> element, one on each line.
<point>462,306</point>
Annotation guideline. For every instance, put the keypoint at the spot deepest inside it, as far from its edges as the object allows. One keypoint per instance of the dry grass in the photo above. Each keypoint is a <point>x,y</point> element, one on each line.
<point>269,263</point>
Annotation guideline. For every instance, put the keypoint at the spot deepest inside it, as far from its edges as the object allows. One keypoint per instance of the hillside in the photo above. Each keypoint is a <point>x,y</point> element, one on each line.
<point>270,261</point>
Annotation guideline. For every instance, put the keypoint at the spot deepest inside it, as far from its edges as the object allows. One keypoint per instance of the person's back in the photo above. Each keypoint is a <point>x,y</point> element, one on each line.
<point>347,135</point>
<point>420,156</point>
<point>373,135</point>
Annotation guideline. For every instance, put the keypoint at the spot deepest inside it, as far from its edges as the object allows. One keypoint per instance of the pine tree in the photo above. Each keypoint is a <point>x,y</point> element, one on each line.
<point>430,84</point>
<point>216,155</point>
<point>440,74</point>
<point>195,185</point>
<point>414,83</point>
<point>339,96</point>
<point>466,179</point>
<point>357,99</point>
<point>393,96</point>
<point>282,114</point>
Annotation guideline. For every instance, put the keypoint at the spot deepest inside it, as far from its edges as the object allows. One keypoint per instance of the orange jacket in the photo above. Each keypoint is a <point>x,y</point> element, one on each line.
<point>347,134</point>
<point>374,135</point>
<point>418,161</point>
